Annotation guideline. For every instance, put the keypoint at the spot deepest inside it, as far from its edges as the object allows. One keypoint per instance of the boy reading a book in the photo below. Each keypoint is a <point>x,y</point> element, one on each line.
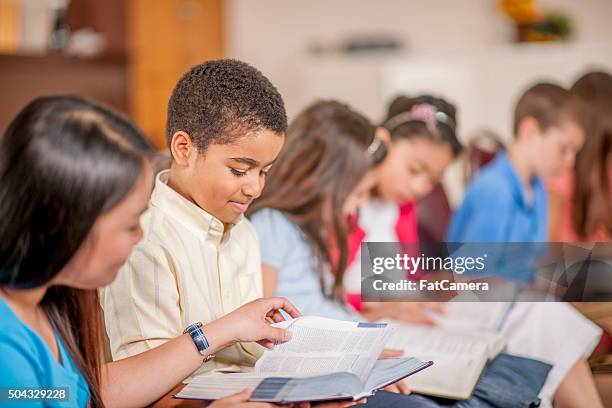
<point>510,190</point>
<point>199,257</point>
<point>507,202</point>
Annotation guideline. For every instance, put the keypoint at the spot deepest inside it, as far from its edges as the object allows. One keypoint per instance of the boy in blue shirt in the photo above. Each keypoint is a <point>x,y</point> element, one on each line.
<point>506,201</point>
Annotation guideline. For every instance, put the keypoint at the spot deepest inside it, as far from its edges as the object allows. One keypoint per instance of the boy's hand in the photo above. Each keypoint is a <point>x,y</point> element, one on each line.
<point>390,353</point>
<point>252,322</point>
<point>408,312</point>
<point>239,400</point>
<point>399,387</point>
<point>420,312</point>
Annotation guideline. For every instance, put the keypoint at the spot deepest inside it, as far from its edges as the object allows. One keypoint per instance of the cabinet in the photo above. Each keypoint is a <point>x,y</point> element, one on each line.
<point>149,45</point>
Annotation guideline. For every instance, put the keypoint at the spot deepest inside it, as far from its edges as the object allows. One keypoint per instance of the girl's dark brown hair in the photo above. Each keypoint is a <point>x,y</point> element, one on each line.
<point>329,149</point>
<point>407,128</point>
<point>64,161</point>
<point>592,199</point>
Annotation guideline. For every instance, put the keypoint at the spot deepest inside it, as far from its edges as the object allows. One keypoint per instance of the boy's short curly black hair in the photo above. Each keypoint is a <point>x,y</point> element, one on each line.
<point>219,101</point>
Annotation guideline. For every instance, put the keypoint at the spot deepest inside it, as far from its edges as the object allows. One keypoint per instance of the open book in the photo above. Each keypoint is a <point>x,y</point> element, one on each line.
<point>461,344</point>
<point>326,359</point>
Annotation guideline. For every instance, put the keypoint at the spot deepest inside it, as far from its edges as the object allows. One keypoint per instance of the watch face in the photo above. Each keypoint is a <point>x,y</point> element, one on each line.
<point>199,339</point>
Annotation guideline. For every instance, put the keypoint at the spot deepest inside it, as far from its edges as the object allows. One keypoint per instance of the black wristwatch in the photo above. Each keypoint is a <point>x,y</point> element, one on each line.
<point>199,339</point>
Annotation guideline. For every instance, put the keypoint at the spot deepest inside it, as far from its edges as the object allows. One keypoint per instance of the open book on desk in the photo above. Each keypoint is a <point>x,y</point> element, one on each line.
<point>326,359</point>
<point>473,317</point>
<point>464,340</point>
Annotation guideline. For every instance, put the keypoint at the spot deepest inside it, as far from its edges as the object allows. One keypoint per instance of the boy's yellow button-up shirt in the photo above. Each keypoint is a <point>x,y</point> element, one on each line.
<point>185,269</point>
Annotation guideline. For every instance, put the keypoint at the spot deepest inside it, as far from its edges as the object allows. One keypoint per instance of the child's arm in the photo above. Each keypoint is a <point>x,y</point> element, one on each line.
<point>270,280</point>
<point>144,378</point>
<point>315,303</point>
<point>555,208</point>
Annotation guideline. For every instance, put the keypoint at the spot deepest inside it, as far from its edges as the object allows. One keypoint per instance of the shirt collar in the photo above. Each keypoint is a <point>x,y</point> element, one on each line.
<point>518,188</point>
<point>187,212</point>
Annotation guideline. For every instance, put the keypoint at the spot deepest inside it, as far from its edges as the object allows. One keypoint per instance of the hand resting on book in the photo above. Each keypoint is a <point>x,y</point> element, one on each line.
<point>398,387</point>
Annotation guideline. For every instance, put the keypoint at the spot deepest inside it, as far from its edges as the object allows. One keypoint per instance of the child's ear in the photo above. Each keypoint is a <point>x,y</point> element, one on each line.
<point>181,148</point>
<point>528,128</point>
<point>383,134</point>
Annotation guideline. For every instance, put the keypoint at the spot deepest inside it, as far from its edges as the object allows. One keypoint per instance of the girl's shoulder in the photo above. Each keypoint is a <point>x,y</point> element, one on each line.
<point>18,345</point>
<point>273,218</point>
<point>10,324</point>
<point>272,224</point>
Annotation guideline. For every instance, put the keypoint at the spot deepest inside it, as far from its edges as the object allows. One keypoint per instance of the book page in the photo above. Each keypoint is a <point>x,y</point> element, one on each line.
<point>317,388</point>
<point>320,346</point>
<point>424,341</point>
<point>389,370</point>
<point>215,386</point>
<point>449,377</point>
<point>459,358</point>
<point>298,364</point>
<point>470,316</point>
<point>312,334</point>
<point>277,389</point>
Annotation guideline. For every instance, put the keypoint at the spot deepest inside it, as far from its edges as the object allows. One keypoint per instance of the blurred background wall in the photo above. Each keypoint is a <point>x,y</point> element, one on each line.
<point>448,47</point>
<point>480,54</point>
